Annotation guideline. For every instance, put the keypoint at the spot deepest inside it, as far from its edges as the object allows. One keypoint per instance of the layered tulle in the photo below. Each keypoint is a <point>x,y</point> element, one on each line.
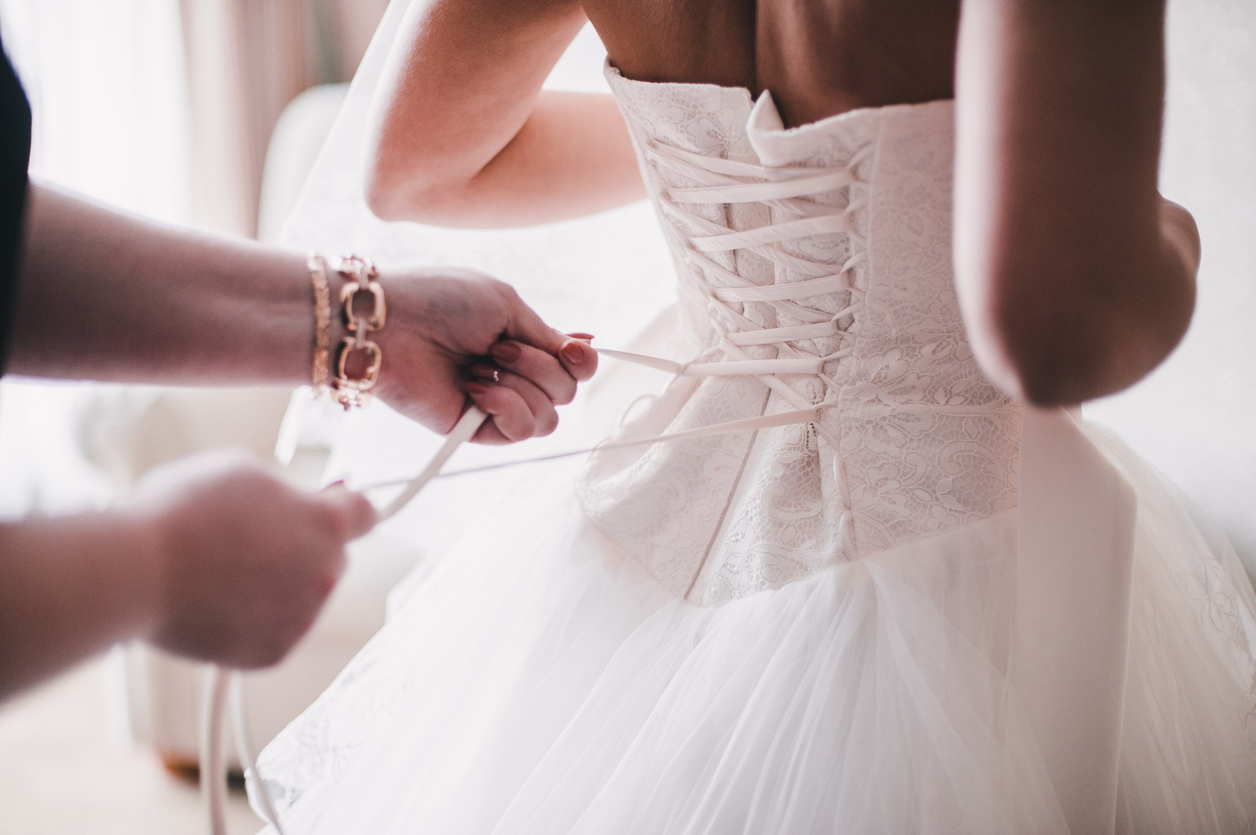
<point>537,680</point>
<point>1188,743</point>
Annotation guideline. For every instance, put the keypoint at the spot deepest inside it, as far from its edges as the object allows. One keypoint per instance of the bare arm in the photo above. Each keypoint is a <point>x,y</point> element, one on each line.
<point>464,135</point>
<point>1075,277</point>
<point>71,588</point>
<point>222,562</point>
<point>107,296</point>
<point>230,565</point>
<point>104,295</point>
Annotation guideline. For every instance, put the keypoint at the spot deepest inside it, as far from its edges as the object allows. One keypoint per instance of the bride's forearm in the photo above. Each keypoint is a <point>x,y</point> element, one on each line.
<point>103,295</point>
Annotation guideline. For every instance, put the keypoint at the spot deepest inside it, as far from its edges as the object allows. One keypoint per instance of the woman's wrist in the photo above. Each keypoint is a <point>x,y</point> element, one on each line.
<point>133,543</point>
<point>358,313</point>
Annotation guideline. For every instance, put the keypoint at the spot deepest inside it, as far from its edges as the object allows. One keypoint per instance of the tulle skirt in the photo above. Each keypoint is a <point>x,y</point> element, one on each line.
<point>535,679</point>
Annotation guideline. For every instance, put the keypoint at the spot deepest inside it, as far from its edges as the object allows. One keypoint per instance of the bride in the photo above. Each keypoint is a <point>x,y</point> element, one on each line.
<point>892,585</point>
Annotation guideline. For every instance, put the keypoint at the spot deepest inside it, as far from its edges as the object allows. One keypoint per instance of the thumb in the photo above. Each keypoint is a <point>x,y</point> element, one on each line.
<point>527,327</point>
<point>573,351</point>
<point>356,513</point>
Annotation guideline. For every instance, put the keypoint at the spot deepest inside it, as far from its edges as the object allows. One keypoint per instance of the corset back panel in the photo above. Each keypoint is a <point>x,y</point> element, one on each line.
<point>816,260</point>
<point>927,441</point>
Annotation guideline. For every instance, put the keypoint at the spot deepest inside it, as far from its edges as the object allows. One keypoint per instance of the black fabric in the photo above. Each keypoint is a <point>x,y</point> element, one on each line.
<point>15,153</point>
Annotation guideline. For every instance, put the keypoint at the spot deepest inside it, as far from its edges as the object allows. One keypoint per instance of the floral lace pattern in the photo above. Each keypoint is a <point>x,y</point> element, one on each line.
<point>923,442</point>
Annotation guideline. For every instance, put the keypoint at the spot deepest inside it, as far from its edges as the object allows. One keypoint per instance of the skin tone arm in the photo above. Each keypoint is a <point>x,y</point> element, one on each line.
<point>223,561</point>
<point>107,296</point>
<point>465,136</point>
<point>219,561</point>
<point>1075,277</point>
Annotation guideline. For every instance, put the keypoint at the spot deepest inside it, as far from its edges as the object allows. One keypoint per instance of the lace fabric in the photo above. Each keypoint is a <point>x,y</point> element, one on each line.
<point>819,256</point>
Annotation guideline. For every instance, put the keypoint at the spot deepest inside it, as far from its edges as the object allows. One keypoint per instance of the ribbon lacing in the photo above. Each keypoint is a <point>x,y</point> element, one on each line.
<point>784,189</point>
<point>723,181</point>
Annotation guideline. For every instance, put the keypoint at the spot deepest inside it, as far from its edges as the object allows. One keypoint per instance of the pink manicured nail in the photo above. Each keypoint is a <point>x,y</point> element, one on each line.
<point>573,353</point>
<point>475,388</point>
<point>587,337</point>
<point>506,352</point>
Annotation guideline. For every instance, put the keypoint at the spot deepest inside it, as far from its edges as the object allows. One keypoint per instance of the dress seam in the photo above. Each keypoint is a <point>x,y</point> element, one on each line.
<point>719,526</point>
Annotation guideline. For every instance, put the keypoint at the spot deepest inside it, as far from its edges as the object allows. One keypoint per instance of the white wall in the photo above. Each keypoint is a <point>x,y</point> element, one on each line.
<point>1195,417</point>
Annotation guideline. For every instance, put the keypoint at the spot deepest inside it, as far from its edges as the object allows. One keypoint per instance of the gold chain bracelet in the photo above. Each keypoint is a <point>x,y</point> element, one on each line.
<point>360,277</point>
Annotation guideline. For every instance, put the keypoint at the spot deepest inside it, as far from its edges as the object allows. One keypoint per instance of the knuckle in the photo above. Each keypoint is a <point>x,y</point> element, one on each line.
<point>546,426</point>
<point>277,651</point>
<point>566,393</point>
<point>327,526</point>
<point>335,524</point>
<point>335,570</point>
<point>519,429</point>
<point>263,652</point>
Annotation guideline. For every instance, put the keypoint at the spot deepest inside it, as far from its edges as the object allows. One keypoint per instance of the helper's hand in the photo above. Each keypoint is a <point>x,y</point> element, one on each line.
<point>454,334</point>
<point>245,561</point>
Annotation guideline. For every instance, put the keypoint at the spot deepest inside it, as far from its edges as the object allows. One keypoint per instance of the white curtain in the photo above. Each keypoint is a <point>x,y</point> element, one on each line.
<point>110,120</point>
<point>110,107</point>
<point>245,61</point>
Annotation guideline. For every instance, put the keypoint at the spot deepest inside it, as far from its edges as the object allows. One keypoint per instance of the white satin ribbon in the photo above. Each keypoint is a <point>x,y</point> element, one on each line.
<point>414,485</point>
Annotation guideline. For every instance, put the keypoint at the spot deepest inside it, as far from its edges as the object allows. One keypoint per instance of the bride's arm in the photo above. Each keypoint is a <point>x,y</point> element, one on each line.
<point>464,135</point>
<point>1075,276</point>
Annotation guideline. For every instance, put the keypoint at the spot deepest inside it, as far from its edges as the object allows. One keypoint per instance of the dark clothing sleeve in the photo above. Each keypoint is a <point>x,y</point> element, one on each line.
<point>15,152</point>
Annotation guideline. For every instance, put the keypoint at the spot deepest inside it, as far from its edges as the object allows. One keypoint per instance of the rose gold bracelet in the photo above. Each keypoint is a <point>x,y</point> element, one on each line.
<point>322,322</point>
<point>360,275</point>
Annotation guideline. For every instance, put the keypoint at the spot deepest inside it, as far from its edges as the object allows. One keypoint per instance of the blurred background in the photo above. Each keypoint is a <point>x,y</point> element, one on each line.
<point>235,116</point>
<point>165,108</point>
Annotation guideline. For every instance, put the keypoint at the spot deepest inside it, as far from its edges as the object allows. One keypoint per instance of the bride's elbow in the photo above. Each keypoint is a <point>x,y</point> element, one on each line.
<point>392,195</point>
<point>1045,373</point>
<point>386,187</point>
<point>1044,352</point>
<point>403,183</point>
<point>1060,349</point>
<point>384,198</point>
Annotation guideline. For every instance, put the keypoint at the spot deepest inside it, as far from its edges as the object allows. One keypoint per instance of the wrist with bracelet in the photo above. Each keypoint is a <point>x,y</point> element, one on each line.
<point>350,370</point>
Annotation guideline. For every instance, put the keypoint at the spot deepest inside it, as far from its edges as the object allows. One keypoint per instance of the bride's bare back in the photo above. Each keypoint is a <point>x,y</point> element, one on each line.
<point>1074,276</point>
<point>818,58</point>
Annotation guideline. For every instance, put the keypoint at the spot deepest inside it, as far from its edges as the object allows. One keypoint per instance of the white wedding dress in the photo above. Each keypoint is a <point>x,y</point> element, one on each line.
<point>897,603</point>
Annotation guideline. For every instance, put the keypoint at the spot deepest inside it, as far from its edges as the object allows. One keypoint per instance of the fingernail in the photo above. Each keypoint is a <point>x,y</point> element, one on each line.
<point>587,337</point>
<point>505,352</point>
<point>340,482</point>
<point>487,372</point>
<point>573,353</point>
<point>475,388</point>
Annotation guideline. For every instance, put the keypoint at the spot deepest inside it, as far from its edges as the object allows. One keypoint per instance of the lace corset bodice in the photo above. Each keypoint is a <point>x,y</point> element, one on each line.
<point>815,279</point>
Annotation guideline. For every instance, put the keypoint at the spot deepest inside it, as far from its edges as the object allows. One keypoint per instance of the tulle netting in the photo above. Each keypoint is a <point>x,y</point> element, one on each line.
<point>535,679</point>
